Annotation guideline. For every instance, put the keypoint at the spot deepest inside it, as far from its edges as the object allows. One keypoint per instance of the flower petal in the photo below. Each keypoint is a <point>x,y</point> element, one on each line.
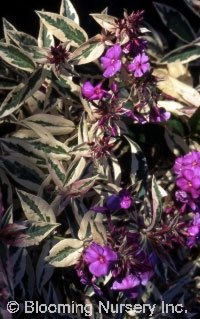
<point>106,62</point>
<point>99,269</point>
<point>87,89</point>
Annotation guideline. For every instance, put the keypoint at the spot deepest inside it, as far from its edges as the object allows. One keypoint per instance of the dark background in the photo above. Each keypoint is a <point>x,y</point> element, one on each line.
<point>21,13</point>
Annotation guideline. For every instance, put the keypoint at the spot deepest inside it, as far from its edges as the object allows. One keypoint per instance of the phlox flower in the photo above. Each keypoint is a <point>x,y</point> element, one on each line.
<point>140,65</point>
<point>189,183</point>
<point>94,92</point>
<point>100,259</point>
<point>111,61</point>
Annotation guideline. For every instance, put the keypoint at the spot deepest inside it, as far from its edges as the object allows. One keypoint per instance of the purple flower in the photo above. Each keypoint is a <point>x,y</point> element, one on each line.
<point>111,62</point>
<point>159,114</point>
<point>136,116</point>
<point>190,160</point>
<point>128,285</point>
<point>189,182</point>
<point>140,65</point>
<point>194,231</point>
<point>122,200</point>
<point>100,259</point>
<point>115,202</point>
<point>94,93</point>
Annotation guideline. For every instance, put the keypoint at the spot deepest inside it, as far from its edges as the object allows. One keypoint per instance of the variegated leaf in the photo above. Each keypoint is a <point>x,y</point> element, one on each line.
<point>45,38</point>
<point>65,253</point>
<point>6,187</point>
<point>98,230</point>
<point>20,146</point>
<point>21,38</point>
<point>106,21</point>
<point>157,194</point>
<point>65,87</point>
<point>37,231</point>
<point>88,51</point>
<point>19,94</point>
<point>24,173</point>
<point>33,83</point>
<point>16,57</point>
<point>57,125</point>
<point>67,9</point>
<point>39,55</point>
<point>56,171</point>
<point>7,26</point>
<point>183,54</point>
<point>44,270</point>
<point>47,143</point>
<point>56,149</point>
<point>63,28</point>
<point>12,101</point>
<point>115,170</point>
<point>175,22</point>
<point>138,162</point>
<point>75,170</point>
<point>85,229</point>
<point>82,186</point>
<point>7,83</point>
<point>35,208</point>
<point>83,129</point>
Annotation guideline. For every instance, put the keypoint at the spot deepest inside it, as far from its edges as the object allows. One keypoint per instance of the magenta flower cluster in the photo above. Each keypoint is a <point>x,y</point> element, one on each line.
<point>187,169</point>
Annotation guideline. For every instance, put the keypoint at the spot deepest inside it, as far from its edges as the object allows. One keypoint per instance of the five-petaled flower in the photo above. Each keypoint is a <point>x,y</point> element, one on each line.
<point>100,259</point>
<point>94,92</point>
<point>140,65</point>
<point>111,61</point>
<point>189,182</point>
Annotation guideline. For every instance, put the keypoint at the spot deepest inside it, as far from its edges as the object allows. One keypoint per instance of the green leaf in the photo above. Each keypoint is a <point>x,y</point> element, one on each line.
<point>67,9</point>
<point>88,51</point>
<point>65,253</point>
<point>16,57</point>
<point>35,208</point>
<point>63,28</point>
<point>176,22</point>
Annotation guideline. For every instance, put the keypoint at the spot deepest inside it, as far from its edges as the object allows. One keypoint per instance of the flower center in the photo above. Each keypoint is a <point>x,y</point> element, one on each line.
<point>189,184</point>
<point>98,91</point>
<point>194,163</point>
<point>112,61</point>
<point>102,259</point>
